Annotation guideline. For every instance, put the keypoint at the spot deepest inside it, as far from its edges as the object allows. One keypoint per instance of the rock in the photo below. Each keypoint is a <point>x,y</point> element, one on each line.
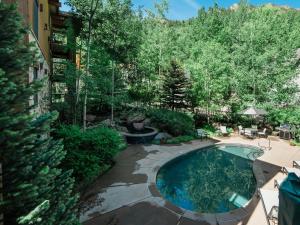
<point>106,122</point>
<point>162,135</point>
<point>122,129</point>
<point>90,118</point>
<point>138,126</point>
<point>135,118</point>
<point>147,122</point>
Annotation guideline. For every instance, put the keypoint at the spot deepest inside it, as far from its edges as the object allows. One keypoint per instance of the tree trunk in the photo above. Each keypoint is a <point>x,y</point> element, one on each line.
<point>77,85</point>
<point>92,13</point>
<point>112,92</point>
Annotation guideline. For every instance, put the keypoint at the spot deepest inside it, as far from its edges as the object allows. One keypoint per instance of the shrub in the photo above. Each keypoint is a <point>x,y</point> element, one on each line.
<point>210,130</point>
<point>89,153</point>
<point>175,123</point>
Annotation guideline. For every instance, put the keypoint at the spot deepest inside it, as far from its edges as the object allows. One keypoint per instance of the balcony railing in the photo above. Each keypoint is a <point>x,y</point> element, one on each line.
<point>59,50</point>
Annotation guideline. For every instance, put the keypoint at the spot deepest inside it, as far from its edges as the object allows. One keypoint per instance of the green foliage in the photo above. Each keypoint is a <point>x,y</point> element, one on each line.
<point>109,44</point>
<point>175,123</point>
<point>234,57</point>
<point>295,143</point>
<point>33,216</point>
<point>210,130</point>
<point>174,87</point>
<point>283,116</point>
<point>229,130</point>
<point>89,153</point>
<point>29,157</point>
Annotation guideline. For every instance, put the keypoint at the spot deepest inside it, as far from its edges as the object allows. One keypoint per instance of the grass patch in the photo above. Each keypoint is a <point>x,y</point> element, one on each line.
<point>295,143</point>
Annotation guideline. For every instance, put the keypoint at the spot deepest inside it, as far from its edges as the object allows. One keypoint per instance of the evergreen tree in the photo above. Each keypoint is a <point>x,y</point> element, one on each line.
<point>174,87</point>
<point>29,157</point>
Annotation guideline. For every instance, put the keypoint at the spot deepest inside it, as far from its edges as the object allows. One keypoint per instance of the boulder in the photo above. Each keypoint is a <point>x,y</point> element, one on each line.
<point>147,122</point>
<point>135,118</point>
<point>162,136</point>
<point>138,126</point>
<point>106,122</point>
<point>122,129</point>
<point>90,118</point>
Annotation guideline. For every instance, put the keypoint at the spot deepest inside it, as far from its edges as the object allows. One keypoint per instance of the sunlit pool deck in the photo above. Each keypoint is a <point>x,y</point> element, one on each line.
<point>127,194</point>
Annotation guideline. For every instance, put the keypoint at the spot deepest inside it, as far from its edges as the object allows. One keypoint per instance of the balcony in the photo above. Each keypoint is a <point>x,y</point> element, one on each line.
<point>59,50</point>
<point>54,3</point>
<point>58,78</point>
<point>58,21</point>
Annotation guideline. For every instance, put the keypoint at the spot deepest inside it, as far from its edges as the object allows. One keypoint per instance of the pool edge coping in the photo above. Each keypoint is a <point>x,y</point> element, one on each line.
<point>232,216</point>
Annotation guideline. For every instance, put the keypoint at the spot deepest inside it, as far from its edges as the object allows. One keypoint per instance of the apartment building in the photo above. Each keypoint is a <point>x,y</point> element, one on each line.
<point>46,22</point>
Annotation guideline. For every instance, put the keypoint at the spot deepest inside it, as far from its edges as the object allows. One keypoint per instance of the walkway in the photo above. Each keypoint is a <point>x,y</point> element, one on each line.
<point>126,195</point>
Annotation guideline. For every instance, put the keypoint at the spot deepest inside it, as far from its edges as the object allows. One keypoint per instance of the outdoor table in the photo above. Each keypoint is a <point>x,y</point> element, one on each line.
<point>253,131</point>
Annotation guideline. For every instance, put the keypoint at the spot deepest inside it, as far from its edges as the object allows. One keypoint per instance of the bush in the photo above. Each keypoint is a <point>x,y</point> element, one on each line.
<point>175,123</point>
<point>210,130</point>
<point>89,153</point>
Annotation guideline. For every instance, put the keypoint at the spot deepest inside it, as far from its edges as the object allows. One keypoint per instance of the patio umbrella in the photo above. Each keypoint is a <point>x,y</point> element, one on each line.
<point>253,111</point>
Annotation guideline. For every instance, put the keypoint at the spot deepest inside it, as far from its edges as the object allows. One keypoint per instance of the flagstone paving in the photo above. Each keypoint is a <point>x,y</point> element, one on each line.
<point>127,194</point>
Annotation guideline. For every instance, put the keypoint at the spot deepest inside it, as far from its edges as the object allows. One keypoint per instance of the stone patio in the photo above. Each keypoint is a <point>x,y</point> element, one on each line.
<point>127,194</point>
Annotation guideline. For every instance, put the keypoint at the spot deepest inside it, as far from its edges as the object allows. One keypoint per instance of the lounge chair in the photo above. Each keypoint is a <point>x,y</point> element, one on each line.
<point>287,170</point>
<point>263,133</point>
<point>270,200</point>
<point>238,200</point>
<point>223,131</point>
<point>296,164</point>
<point>202,134</point>
<point>241,130</point>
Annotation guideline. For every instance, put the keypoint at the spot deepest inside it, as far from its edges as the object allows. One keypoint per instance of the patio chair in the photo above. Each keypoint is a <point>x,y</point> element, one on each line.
<point>287,170</point>
<point>296,164</point>
<point>249,134</point>
<point>270,200</point>
<point>202,134</point>
<point>254,126</point>
<point>262,133</point>
<point>223,131</point>
<point>241,130</point>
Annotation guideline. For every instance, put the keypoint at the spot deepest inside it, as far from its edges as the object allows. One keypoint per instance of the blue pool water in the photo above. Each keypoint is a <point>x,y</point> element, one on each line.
<point>212,180</point>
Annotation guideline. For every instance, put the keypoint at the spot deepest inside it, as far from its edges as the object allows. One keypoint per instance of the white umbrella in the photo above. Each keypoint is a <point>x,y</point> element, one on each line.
<point>252,111</point>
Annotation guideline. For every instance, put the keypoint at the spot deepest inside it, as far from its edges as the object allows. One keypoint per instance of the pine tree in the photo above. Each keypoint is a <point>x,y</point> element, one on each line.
<point>174,87</point>
<point>29,157</point>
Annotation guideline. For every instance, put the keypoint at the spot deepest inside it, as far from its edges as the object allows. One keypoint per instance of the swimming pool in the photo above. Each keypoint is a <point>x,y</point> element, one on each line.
<point>215,179</point>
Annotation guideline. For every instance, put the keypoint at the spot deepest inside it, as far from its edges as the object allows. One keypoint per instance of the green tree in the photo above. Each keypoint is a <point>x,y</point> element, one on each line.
<point>30,158</point>
<point>113,26</point>
<point>174,87</point>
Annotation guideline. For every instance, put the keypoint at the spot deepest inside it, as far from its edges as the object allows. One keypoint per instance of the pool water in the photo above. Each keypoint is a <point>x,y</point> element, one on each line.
<point>212,180</point>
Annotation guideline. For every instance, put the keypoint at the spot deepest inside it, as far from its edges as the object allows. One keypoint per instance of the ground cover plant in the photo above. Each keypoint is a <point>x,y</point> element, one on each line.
<point>89,153</point>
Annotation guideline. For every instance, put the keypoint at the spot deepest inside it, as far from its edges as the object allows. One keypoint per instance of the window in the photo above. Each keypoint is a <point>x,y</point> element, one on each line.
<point>36,18</point>
<point>35,73</point>
<point>35,77</point>
<point>36,99</point>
